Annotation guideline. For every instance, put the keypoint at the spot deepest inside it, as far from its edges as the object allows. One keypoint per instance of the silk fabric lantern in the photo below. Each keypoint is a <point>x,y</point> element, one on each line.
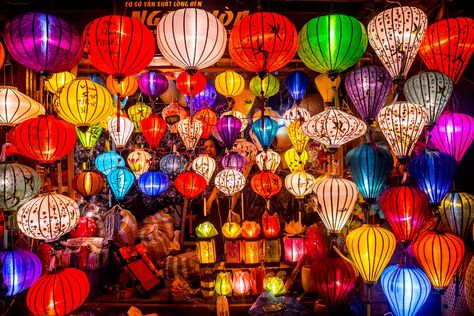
<point>268,160</point>
<point>224,283</point>
<point>137,113</point>
<point>294,248</point>
<point>139,161</point>
<point>232,243</point>
<point>229,181</point>
<point>120,130</point>
<point>327,87</point>
<point>241,282</point>
<point>270,225</point>
<point>228,128</point>
<point>122,88</point>
<point>86,227</point>
<point>209,121</point>
<point>296,112</point>
<point>173,164</point>
<point>16,107</point>
<point>89,138</point>
<point>298,138</point>
<point>2,55</point>
<point>120,181</point>
<point>299,183</point>
<point>88,183</point>
<point>264,87</point>
<point>203,100</point>
<point>153,83</point>
<point>242,117</point>
<point>246,149</point>
<point>296,83</point>
<point>265,130</point>
<point>233,160</point>
<point>153,129</point>
<point>20,269</point>
<point>172,94</point>
<point>190,131</point>
<point>172,114</point>
<point>457,211</point>
<point>230,84</point>
<point>153,183</point>
<point>205,245</point>
<point>18,184</point>
<point>107,161</point>
<point>205,166</point>
<point>294,160</point>
<point>191,84</point>
<point>266,184</point>
<point>190,184</point>
<point>315,245</point>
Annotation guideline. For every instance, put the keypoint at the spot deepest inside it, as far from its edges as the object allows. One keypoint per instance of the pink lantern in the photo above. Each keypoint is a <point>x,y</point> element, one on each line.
<point>294,248</point>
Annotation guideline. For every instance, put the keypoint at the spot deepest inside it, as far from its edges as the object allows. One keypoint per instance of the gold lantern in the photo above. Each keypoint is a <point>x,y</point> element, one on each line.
<point>58,80</point>
<point>205,245</point>
<point>138,112</point>
<point>297,137</point>
<point>327,87</point>
<point>229,84</point>
<point>294,160</point>
<point>274,284</point>
<point>251,253</point>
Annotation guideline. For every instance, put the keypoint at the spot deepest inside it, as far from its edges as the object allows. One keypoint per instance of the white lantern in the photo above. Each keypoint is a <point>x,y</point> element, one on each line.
<point>230,181</point>
<point>16,107</point>
<point>241,116</point>
<point>139,162</point>
<point>190,131</point>
<point>205,166</point>
<point>268,160</point>
<point>274,115</point>
<point>299,183</point>
<point>120,130</point>
<point>296,112</point>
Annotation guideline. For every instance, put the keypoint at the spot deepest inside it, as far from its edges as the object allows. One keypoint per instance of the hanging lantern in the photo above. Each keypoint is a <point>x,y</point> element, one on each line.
<point>190,131</point>
<point>406,287</point>
<point>43,43</point>
<point>120,181</point>
<point>87,183</point>
<point>296,113</point>
<point>402,124</point>
<point>371,248</point>
<point>406,210</point>
<point>439,254</point>
<point>246,149</point>
<point>395,35</point>
<point>453,134</point>
<point>153,128</point>
<point>107,161</point>
<point>241,282</point>
<point>268,160</point>
<point>228,128</point>
<point>105,122</point>
<point>229,84</point>
<point>203,100</point>
<point>266,87</point>
<point>89,138</point>
<point>58,80</point>
<point>250,229</point>
<point>172,94</point>
<point>120,130</point>
<point>20,269</point>
<point>242,117</point>
<point>265,131</point>
<point>294,160</point>
<point>294,248</point>
<point>45,139</point>
<point>191,84</point>
<point>205,245</point>
<point>205,166</point>
<point>335,198</point>
<point>173,164</point>
<point>323,39</point>
<point>48,216</point>
<point>153,183</point>
<point>327,87</point>
<point>233,160</point>
<point>153,83</point>
<point>208,119</point>
<point>315,245</point>
<point>18,184</point>
<point>266,184</point>
<point>448,46</point>
<point>119,45</point>
<point>206,230</point>
<point>369,166</point>
<point>296,83</point>
<point>16,107</point>
<point>190,184</point>
<point>299,183</point>
<point>368,88</point>
<point>137,113</point>
<point>457,211</point>
<point>139,161</point>
<point>229,181</point>
<point>47,295</point>
<point>122,88</point>
<point>270,225</point>
<point>172,114</point>
<point>224,283</point>
<point>298,139</point>
<point>231,230</point>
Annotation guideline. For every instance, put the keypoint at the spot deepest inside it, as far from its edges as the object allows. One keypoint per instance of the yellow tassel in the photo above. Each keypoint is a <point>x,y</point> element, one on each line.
<point>222,306</point>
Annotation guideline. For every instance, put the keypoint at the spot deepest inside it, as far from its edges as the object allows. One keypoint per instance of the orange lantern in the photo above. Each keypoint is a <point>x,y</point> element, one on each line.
<point>241,282</point>
<point>88,183</point>
<point>251,253</point>
<point>123,88</point>
<point>208,119</point>
<point>266,184</point>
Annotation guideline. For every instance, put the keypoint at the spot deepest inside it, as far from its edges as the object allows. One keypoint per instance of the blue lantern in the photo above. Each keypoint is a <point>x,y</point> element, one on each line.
<point>153,182</point>
<point>173,164</point>
<point>296,83</point>
<point>266,131</point>
<point>107,161</point>
<point>203,100</point>
<point>433,172</point>
<point>20,268</point>
<point>369,167</point>
<point>123,103</point>
<point>120,181</point>
<point>406,288</point>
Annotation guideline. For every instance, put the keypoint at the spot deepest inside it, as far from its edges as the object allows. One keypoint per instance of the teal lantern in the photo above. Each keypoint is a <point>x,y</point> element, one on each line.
<point>107,161</point>
<point>265,131</point>
<point>120,181</point>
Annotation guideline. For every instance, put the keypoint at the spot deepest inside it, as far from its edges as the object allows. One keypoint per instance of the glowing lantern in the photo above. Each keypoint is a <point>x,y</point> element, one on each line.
<point>47,295</point>
<point>223,283</point>
<point>173,164</point>
<point>18,184</point>
<point>228,128</point>
<point>88,183</point>
<point>296,83</point>
<point>205,166</point>
<point>190,184</point>
<point>274,285</point>
<point>58,80</point>
<point>315,246</point>
<point>406,287</point>
<point>86,227</point>
<point>120,181</point>
<point>16,107</point>
<point>231,230</point>
<point>402,124</point>
<point>250,229</point>
<point>120,130</point>
<point>2,55</point>
<point>327,87</point>
<point>172,114</point>
<point>299,183</point>
<point>232,245</point>
<point>335,198</point>
<point>89,138</point>
<point>229,181</point>
<point>205,245</point>
<point>266,184</point>
<point>107,161</point>
<point>233,160</point>
<point>153,83</point>
<point>322,40</point>
<point>153,183</point>
<point>137,113</point>
<point>122,88</point>
<point>395,35</point>
<point>208,119</point>
<point>229,84</point>
<point>368,88</point>
<point>246,149</point>
<point>153,129</point>
<point>294,248</point>
<point>371,248</point>
<point>270,225</point>
<point>190,131</point>
<point>294,160</point>
<point>297,137</point>
<point>448,45</point>
<point>20,269</point>
<point>191,84</point>
<point>203,100</point>
<point>48,216</point>
<point>457,211</point>
<point>268,160</point>
<point>296,112</point>
<point>105,122</point>
<point>139,162</point>
<point>266,87</point>
<point>172,94</point>
<point>439,254</point>
<point>265,130</point>
<point>241,282</point>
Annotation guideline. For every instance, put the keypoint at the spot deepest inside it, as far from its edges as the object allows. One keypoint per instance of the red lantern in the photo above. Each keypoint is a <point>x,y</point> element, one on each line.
<point>315,246</point>
<point>190,184</point>
<point>122,88</point>
<point>45,138</point>
<point>153,129</point>
<point>58,293</point>
<point>208,119</point>
<point>191,84</point>
<point>86,227</point>
<point>270,225</point>
<point>266,184</point>
<point>87,183</point>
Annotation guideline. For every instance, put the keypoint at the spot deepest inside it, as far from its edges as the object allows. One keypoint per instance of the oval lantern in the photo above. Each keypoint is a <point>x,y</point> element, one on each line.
<point>209,121</point>
<point>153,83</point>
<point>58,80</point>
<point>190,131</point>
<point>172,114</point>
<point>327,87</point>
<point>20,269</point>
<point>87,183</point>
<point>120,181</point>
<point>228,127</point>
<point>139,161</point>
<point>153,183</point>
<point>268,160</point>
<point>153,129</point>
<point>266,184</point>
<point>120,130</point>
<point>205,166</point>
<point>16,107</point>
<point>229,181</point>
<point>294,160</point>
<point>190,184</point>
<point>191,84</point>
<point>18,184</point>
<point>172,94</point>
<point>137,113</point>
<point>457,213</point>
<point>265,130</point>
<point>298,138</point>
<point>296,113</point>
<point>122,88</point>
<point>266,87</point>
<point>299,183</point>
<point>107,161</point>
<point>89,138</point>
<point>296,83</point>
<point>233,160</point>
<point>203,100</point>
<point>173,164</point>
<point>395,35</point>
<point>229,84</point>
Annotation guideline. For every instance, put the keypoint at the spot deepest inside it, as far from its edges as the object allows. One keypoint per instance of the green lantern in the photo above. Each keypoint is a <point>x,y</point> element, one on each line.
<point>138,112</point>
<point>274,285</point>
<point>90,137</point>
<point>332,43</point>
<point>224,283</point>
<point>206,230</point>
<point>269,85</point>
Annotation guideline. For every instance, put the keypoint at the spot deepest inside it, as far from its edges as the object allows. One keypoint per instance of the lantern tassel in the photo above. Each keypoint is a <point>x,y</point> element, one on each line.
<point>368,300</point>
<point>242,204</point>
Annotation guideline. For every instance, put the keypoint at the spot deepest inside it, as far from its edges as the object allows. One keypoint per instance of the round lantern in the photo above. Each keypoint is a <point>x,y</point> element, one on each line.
<point>229,181</point>
<point>43,42</point>
<point>153,129</point>
<point>16,107</point>
<point>371,247</point>
<point>457,211</point>
<point>208,119</point>
<point>153,183</point>
<point>58,80</point>
<point>296,112</point>
<point>139,162</point>
<point>229,84</point>
<point>172,94</point>
<point>120,181</point>
<point>246,149</point>
<point>395,35</point>
<point>298,139</point>
<point>241,282</point>
<point>228,127</point>
<point>191,38</point>
<point>205,166</point>
<point>119,45</point>
<point>18,184</point>
<point>294,160</point>
<point>266,87</point>
<point>296,83</point>
<point>173,164</point>
<point>406,287</point>
<point>241,116</point>
<point>172,114</point>
<point>335,198</point>
<point>263,42</point>
<point>369,166</point>
<point>332,43</point>
<point>120,130</point>
<point>203,100</point>
<point>86,227</point>
<point>107,161</point>
<point>45,139</point>
<point>266,184</point>
<point>122,87</point>
<point>191,84</point>
<point>48,216</point>
<point>265,130</point>
<point>402,124</point>
<point>190,184</point>
<point>448,45</point>
<point>327,87</point>
<point>299,183</point>
<point>368,88</point>
<point>87,183</point>
<point>137,113</point>
<point>233,160</point>
<point>89,138</point>
<point>270,224</point>
<point>153,83</point>
<point>20,269</point>
<point>190,131</point>
<point>83,102</point>
<point>439,254</point>
<point>48,295</point>
<point>268,160</point>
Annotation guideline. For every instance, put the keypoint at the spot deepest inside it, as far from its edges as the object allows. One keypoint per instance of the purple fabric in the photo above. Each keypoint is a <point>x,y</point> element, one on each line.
<point>228,128</point>
<point>153,83</point>
<point>233,160</point>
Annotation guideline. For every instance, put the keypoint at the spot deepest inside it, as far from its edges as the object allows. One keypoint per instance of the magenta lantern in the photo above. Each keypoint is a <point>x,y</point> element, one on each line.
<point>294,248</point>
<point>228,127</point>
<point>153,83</point>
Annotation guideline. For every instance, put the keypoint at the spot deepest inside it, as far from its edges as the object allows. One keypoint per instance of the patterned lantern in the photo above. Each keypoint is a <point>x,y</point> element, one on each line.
<point>268,160</point>
<point>327,87</point>
<point>153,83</point>
<point>270,225</point>
<point>395,35</point>
<point>137,113</point>
<point>332,43</point>
<point>232,244</point>
<point>297,137</point>
<point>173,164</point>
<point>299,183</point>
<point>246,149</point>
<point>208,119</point>
<point>89,138</point>
<point>107,161</point>
<point>203,100</point>
<point>223,283</point>
<point>241,282</point>
<point>265,130</point>
<point>120,130</point>
<point>439,254</point>
<point>20,269</point>
<point>296,83</point>
<point>120,181</point>
<point>241,116</point>
<point>153,129</point>
<point>448,45</point>
<point>18,184</point>
<point>122,88</point>
<point>16,107</point>
<point>43,43</point>
<point>205,166</point>
<point>190,131</point>
<point>205,245</point>
<point>371,247</point>
<point>233,160</point>
<point>457,211</point>
<point>229,181</point>
<point>296,112</point>
<point>191,84</point>
<point>172,94</point>
<point>228,128</point>
<point>87,183</point>
<point>153,183</point>
<point>368,88</point>
<point>190,184</point>
<point>48,216</point>
<point>48,295</point>
<point>294,160</point>
<point>172,114</point>
<point>266,184</point>
<point>266,87</point>
<point>139,161</point>
<point>402,124</point>
<point>230,84</point>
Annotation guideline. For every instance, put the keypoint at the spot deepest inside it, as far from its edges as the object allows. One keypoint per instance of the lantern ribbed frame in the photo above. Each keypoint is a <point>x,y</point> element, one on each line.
<point>296,112</point>
<point>88,183</point>
<point>266,184</point>
<point>20,269</point>
<point>139,161</point>
<point>230,181</point>
<point>153,129</point>
<point>107,161</point>
<point>269,85</point>
<point>16,107</point>
<point>233,160</point>
<point>241,282</point>
<point>294,160</point>
<point>299,183</point>
<point>153,183</point>
<point>89,138</point>
<point>18,184</point>
<point>268,160</point>
<point>138,112</point>
<point>203,100</point>
<point>296,83</point>
<point>120,130</point>
<point>173,164</point>
<point>229,83</point>
<point>190,131</point>
<point>172,114</point>
<point>327,87</point>
<point>457,213</point>
<point>228,127</point>
<point>205,166</point>
<point>298,138</point>
<point>120,181</point>
<point>190,184</point>
<point>208,119</point>
<point>241,116</point>
<point>122,88</point>
<point>265,131</point>
<point>153,83</point>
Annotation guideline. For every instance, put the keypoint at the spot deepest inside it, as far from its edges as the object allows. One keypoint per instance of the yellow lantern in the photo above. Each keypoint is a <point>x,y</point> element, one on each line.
<point>229,84</point>
<point>206,251</point>
<point>139,162</point>
<point>231,230</point>
<point>58,80</point>
<point>294,160</point>
<point>327,87</point>
<point>138,112</point>
<point>266,87</point>
<point>223,284</point>
<point>241,282</point>
<point>297,137</point>
<point>274,285</point>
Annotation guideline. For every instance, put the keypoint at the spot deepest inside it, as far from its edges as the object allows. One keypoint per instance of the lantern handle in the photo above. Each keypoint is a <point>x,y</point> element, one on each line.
<point>394,2</point>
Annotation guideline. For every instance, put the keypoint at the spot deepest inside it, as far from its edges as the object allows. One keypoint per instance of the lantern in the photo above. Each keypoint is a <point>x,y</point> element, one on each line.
<point>294,248</point>
<point>265,131</point>
<point>43,42</point>
<point>297,137</point>
<point>105,122</point>
<point>315,246</point>
<point>233,160</point>
<point>190,184</point>
<point>120,130</point>
<point>395,35</point>
<point>231,230</point>
<point>153,129</point>
<point>274,285</point>
<point>228,128</point>
<point>137,113</point>
<point>453,134</point>
<point>263,42</point>
<point>296,112</point>
<point>16,107</point>
<point>406,287</point>
<point>241,116</point>
<point>18,184</point>
<point>268,160</point>
<point>296,83</point>
<point>368,88</point>
<point>139,162</point>
<point>48,216</point>
<point>203,100</point>
<point>172,114</point>
<point>266,184</point>
<point>45,139</point>
<point>120,181</point>
<point>246,149</point>
<point>232,243</point>
<point>153,83</point>
<point>266,87</point>
<point>205,166</point>
<point>107,161</point>
<point>190,131</point>
<point>223,283</point>
<point>206,230</point>
<point>173,164</point>
<point>86,227</point>
<point>229,84</point>
<point>335,198</point>
<point>448,45</point>
<point>172,94</point>
<point>241,282</point>
<point>20,269</point>
<point>229,181</point>
<point>47,295</point>
<point>191,84</point>
<point>457,211</point>
<point>369,166</point>
<point>119,45</point>
<point>89,138</point>
<point>327,87</point>
<point>439,254</point>
<point>87,183</point>
<point>323,39</point>
<point>153,183</point>
<point>402,124</point>
<point>251,252</point>
<point>294,160</point>
<point>205,245</point>
<point>270,225</point>
<point>406,210</point>
<point>122,88</point>
<point>83,102</point>
<point>208,119</point>
<point>371,248</point>
<point>299,183</point>
<point>58,80</point>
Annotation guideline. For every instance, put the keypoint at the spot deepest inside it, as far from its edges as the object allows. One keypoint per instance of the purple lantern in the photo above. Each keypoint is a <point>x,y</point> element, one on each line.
<point>20,269</point>
<point>233,160</point>
<point>43,43</point>
<point>202,100</point>
<point>228,128</point>
<point>153,83</point>
<point>368,87</point>
<point>453,134</point>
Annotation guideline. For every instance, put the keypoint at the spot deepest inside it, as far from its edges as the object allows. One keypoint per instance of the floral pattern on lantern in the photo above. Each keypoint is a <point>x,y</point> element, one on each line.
<point>16,107</point>
<point>120,130</point>
<point>294,160</point>
<point>190,131</point>
<point>139,162</point>
<point>229,181</point>
<point>18,184</point>
<point>20,269</point>
<point>296,112</point>
<point>205,166</point>
<point>274,285</point>
<point>268,160</point>
<point>138,112</point>
<point>297,137</point>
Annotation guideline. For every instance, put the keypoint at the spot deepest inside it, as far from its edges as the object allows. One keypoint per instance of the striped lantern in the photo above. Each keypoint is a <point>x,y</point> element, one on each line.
<point>229,181</point>
<point>122,88</point>
<point>88,183</point>
<point>457,213</point>
<point>190,131</point>
<point>202,100</point>
<point>229,84</point>
<point>89,138</point>
<point>153,83</point>
<point>107,161</point>
<point>172,114</point>
<point>264,87</point>
<point>153,183</point>
<point>299,183</point>
<point>296,112</point>
<point>173,164</point>
<point>120,130</point>
<point>233,160</point>
<point>20,269</point>
<point>153,129</point>
<point>294,160</point>
<point>18,184</point>
<point>16,107</point>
